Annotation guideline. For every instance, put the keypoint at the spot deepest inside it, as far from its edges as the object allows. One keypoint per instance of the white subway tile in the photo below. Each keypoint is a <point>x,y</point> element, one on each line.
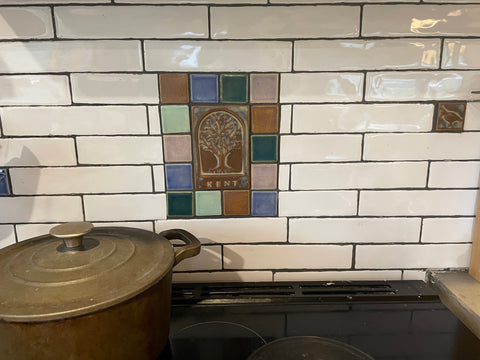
<point>319,148</point>
<point>287,256</point>
<point>321,87</point>
<point>55,2</point>
<point>144,225</point>
<point>37,152</point>
<point>454,174</point>
<point>358,275</point>
<point>414,275</point>
<point>74,180</point>
<point>222,2</point>
<point>317,203</point>
<point>354,230</point>
<point>461,54</point>
<point>412,256</point>
<point>120,150</point>
<point>74,120</point>
<point>34,90</point>
<point>417,202</point>
<point>25,23</point>
<point>283,177</point>
<point>115,88</point>
<point>96,22</point>
<point>326,118</point>
<point>285,119</point>
<point>7,235</point>
<point>125,207</point>
<point>284,22</point>
<point>210,258</point>
<point>338,1</point>
<point>154,121</point>
<point>447,230</point>
<point>60,56</point>
<point>417,86</point>
<point>227,231</point>
<point>472,116</point>
<point>218,55</point>
<point>421,20</point>
<point>428,146</point>
<point>40,209</point>
<point>222,276</point>
<point>158,178</point>
<point>358,175</point>
<point>366,54</point>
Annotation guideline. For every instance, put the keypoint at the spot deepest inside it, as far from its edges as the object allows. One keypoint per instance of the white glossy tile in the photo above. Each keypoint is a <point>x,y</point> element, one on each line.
<point>285,119</point>
<point>283,177</point>
<point>7,236</point>
<point>472,116</point>
<point>454,174</point>
<point>97,22</point>
<point>414,275</point>
<point>28,231</point>
<point>218,55</point>
<point>25,23</point>
<point>210,258</point>
<point>154,121</point>
<point>55,2</point>
<point>354,230</point>
<point>337,1</point>
<point>447,230</point>
<point>284,22</point>
<point>328,118</point>
<point>222,276</point>
<point>221,2</point>
<point>317,203</point>
<point>321,87</point>
<point>145,225</point>
<point>421,20</point>
<point>74,120</point>
<point>357,275</point>
<point>34,90</point>
<point>158,178</point>
<point>320,148</point>
<point>366,54</point>
<point>461,54</point>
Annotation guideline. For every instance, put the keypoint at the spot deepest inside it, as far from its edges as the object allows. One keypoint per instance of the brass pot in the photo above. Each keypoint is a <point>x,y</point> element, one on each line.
<point>89,293</point>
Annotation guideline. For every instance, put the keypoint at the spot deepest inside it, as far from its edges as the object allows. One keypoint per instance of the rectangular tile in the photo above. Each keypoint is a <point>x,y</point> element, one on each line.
<point>461,54</point>
<point>421,20</point>
<point>447,230</point>
<point>287,256</point>
<point>345,275</point>
<point>96,22</point>
<point>120,150</point>
<point>125,207</point>
<point>210,258</point>
<point>25,23</point>
<point>358,175</point>
<point>154,121</point>
<point>338,1</point>
<point>158,178</point>
<point>417,202</point>
<point>427,146</point>
<point>354,230</point>
<point>218,55</point>
<point>115,88</point>
<point>37,152</point>
<point>34,90</point>
<point>412,256</point>
<point>222,276</point>
<point>317,203</point>
<point>74,120</point>
<point>472,116</point>
<point>321,87</point>
<point>7,235</point>
<point>222,2</point>
<point>414,275</point>
<point>326,118</point>
<point>366,54</point>
<point>454,174</point>
<point>320,148</point>
<point>283,177</point>
<point>74,180</point>
<point>285,119</point>
<point>55,2</point>
<point>284,22</point>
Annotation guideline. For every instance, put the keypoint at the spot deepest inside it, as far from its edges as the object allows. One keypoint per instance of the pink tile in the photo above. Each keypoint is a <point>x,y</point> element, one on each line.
<point>177,148</point>
<point>263,88</point>
<point>264,176</point>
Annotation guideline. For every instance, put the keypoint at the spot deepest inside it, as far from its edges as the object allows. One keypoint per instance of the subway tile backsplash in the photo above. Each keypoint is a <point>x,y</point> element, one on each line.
<point>359,130</point>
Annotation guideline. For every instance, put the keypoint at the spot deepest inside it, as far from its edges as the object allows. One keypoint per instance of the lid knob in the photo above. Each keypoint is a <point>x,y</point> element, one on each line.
<point>72,233</point>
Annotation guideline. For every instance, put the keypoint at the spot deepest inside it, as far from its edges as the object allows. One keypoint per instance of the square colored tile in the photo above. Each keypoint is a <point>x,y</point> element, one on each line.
<point>175,119</point>
<point>451,116</point>
<point>236,202</point>
<point>264,119</point>
<point>204,88</point>
<point>263,88</point>
<point>264,176</point>
<point>179,176</point>
<point>4,183</point>
<point>208,203</point>
<point>177,148</point>
<point>180,203</point>
<point>264,203</point>
<point>233,88</point>
<point>264,148</point>
<point>173,88</point>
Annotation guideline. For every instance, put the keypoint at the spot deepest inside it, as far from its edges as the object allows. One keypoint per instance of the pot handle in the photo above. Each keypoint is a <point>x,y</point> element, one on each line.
<point>191,248</point>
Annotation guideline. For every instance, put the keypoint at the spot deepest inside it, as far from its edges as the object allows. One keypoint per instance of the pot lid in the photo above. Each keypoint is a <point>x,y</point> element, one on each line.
<point>78,269</point>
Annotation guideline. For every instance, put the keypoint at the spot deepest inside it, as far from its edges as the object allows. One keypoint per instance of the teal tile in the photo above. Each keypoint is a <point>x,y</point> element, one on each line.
<point>180,203</point>
<point>264,148</point>
<point>233,88</point>
<point>208,203</point>
<point>175,119</point>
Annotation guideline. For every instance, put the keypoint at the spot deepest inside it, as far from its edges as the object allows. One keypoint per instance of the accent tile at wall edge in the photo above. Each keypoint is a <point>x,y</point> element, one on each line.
<point>317,203</point>
<point>26,23</point>
<point>447,230</point>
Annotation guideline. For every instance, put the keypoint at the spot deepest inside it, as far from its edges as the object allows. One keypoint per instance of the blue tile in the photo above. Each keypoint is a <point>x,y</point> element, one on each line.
<point>204,88</point>
<point>179,176</point>
<point>264,203</point>
<point>4,183</point>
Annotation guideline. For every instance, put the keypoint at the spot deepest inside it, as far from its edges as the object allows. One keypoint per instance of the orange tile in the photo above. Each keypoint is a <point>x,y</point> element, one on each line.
<point>173,88</point>
<point>236,202</point>
<point>264,119</point>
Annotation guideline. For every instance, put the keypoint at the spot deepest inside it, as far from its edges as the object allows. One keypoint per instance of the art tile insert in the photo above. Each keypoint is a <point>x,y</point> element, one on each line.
<point>450,116</point>
<point>4,190</point>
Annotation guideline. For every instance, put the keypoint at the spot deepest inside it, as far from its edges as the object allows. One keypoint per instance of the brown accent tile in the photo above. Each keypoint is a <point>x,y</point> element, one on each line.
<point>450,116</point>
<point>263,88</point>
<point>264,176</point>
<point>264,119</point>
<point>177,148</point>
<point>236,202</point>
<point>173,88</point>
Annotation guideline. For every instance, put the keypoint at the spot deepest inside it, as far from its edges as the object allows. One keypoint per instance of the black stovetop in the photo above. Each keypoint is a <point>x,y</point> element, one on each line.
<point>395,320</point>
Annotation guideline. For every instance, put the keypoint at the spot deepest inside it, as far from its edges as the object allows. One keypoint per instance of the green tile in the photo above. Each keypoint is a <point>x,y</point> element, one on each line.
<point>208,203</point>
<point>180,203</point>
<point>175,119</point>
<point>233,88</point>
<point>264,148</point>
